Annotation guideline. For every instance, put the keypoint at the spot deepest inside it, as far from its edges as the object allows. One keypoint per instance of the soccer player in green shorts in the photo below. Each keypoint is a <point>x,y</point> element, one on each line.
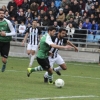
<point>43,53</point>
<point>6,32</point>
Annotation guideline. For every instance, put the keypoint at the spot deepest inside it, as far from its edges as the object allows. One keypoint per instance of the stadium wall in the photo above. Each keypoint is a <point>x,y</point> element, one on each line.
<point>84,54</point>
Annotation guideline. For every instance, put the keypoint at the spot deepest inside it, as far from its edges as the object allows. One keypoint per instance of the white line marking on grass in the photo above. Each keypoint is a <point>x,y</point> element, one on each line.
<point>66,62</point>
<point>53,74</point>
<point>62,97</point>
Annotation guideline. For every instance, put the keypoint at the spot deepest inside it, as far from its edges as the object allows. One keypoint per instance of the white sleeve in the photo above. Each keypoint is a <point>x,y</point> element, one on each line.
<point>11,29</point>
<point>48,40</point>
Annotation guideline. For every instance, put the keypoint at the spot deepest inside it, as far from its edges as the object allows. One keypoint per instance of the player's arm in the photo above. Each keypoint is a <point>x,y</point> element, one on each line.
<point>12,30</point>
<point>25,38</point>
<point>71,44</point>
<point>49,42</point>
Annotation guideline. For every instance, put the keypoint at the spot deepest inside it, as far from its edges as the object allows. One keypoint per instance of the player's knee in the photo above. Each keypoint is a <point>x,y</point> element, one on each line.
<point>65,68</point>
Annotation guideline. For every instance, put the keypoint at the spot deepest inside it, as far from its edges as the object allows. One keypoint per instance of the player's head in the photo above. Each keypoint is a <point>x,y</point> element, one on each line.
<point>62,32</point>
<point>1,14</point>
<point>52,31</point>
<point>34,23</point>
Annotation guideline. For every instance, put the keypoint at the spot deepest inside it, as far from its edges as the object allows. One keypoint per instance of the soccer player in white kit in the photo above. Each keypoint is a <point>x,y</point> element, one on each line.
<point>54,56</point>
<point>34,36</point>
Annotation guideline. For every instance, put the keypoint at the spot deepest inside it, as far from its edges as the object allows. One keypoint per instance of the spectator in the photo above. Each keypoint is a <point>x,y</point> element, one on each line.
<point>12,3</point>
<point>94,28</point>
<point>12,11</point>
<point>22,29</point>
<point>53,8</point>
<point>31,1</point>
<point>57,3</point>
<point>13,20</point>
<point>4,8</point>
<point>34,6</point>
<point>46,21</point>
<point>87,25</point>
<point>64,3</point>
<point>50,13</point>
<point>66,9</point>
<point>20,10</point>
<point>56,25</point>
<point>7,16</point>
<point>97,5</point>
<point>52,19</point>
<point>28,20</point>
<point>77,17</point>
<point>73,22</point>
<point>25,5</point>
<point>42,7</point>
<point>92,17</point>
<point>70,28</point>
<point>84,17</point>
<point>91,11</point>
<point>98,18</point>
<point>21,18</point>
<point>35,15</point>
<point>75,8</point>
<point>28,14</point>
<point>82,6</point>
<point>39,19</point>
<point>19,3</point>
<point>60,17</point>
<point>42,14</point>
<point>69,15</point>
<point>64,24</point>
<point>48,2</point>
<point>88,5</point>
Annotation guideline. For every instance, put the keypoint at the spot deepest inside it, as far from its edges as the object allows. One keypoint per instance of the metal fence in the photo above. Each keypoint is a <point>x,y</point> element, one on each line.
<point>81,37</point>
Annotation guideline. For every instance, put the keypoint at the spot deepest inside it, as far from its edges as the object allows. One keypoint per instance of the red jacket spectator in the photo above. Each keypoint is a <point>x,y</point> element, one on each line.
<point>19,2</point>
<point>43,7</point>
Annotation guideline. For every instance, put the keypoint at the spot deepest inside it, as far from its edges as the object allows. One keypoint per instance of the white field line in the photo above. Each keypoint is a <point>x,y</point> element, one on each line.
<point>66,62</point>
<point>41,72</point>
<point>62,97</point>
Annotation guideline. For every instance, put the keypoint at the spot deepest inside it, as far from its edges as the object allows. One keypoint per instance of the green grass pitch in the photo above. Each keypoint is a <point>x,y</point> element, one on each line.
<point>82,82</point>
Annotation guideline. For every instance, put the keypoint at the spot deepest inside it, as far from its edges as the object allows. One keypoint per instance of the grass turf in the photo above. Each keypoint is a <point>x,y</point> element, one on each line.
<point>82,82</point>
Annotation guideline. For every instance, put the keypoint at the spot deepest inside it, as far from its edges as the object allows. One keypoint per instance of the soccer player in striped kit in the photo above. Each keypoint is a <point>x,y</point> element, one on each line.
<point>54,56</point>
<point>34,36</point>
<point>43,53</point>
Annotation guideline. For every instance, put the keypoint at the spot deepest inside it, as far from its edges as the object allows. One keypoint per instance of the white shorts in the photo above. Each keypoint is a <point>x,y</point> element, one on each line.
<point>32,47</point>
<point>58,60</point>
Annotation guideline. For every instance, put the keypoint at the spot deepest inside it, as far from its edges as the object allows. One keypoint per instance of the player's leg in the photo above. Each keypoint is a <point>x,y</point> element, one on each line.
<point>4,53</point>
<point>33,54</point>
<point>44,65</point>
<point>61,63</point>
<point>52,61</point>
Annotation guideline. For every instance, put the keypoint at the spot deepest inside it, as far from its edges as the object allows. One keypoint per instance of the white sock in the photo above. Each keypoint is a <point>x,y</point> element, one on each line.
<point>46,75</point>
<point>58,68</point>
<point>29,56</point>
<point>31,60</point>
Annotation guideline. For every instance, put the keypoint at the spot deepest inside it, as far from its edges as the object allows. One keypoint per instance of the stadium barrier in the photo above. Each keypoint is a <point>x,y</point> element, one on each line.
<point>83,41</point>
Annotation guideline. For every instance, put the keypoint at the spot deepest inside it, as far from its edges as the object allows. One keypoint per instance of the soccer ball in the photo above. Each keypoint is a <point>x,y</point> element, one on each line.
<point>59,83</point>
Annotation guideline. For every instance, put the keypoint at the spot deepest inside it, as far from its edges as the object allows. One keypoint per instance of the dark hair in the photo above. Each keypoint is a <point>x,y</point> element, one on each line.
<point>1,9</point>
<point>62,29</point>
<point>51,28</point>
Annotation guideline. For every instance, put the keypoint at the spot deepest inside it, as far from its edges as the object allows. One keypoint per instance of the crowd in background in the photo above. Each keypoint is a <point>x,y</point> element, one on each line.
<point>70,14</point>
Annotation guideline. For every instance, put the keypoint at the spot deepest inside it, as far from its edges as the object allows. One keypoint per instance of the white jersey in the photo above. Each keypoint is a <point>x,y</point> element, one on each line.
<point>34,36</point>
<point>57,41</point>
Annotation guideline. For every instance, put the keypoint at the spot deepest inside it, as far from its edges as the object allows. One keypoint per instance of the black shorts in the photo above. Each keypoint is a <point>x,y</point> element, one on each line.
<point>44,63</point>
<point>4,49</point>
